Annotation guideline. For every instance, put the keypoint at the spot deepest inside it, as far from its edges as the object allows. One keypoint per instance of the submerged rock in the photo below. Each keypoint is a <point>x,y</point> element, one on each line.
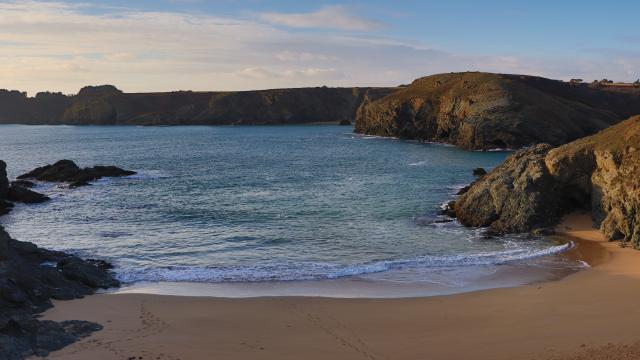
<point>68,171</point>
<point>479,171</point>
<point>533,188</point>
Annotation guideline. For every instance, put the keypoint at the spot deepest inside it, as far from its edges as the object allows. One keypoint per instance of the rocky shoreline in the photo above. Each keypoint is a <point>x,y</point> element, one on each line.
<point>535,187</point>
<point>30,277</point>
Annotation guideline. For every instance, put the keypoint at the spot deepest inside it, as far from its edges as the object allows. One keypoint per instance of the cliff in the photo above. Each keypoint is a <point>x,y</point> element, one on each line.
<point>534,187</point>
<point>106,105</point>
<point>483,111</point>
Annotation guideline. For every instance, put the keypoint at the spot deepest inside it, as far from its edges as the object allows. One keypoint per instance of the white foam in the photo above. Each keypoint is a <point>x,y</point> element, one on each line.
<point>283,271</point>
<point>143,174</point>
<point>419,163</point>
<point>139,175</point>
<point>584,263</point>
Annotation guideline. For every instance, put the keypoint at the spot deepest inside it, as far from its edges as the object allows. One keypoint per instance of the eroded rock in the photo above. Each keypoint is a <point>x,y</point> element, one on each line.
<point>21,194</point>
<point>517,196</point>
<point>30,277</point>
<point>533,188</point>
<point>68,171</point>
<point>483,111</point>
<point>479,171</point>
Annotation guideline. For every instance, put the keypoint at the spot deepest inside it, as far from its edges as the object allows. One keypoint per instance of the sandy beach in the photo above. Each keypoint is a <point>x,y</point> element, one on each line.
<point>587,315</point>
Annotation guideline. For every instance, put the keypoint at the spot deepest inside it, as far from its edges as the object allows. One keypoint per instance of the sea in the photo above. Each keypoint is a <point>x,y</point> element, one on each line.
<point>240,211</point>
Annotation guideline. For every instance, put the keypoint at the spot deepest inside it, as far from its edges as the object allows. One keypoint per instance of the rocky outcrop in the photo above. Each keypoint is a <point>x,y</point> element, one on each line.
<point>18,193</point>
<point>483,111</point>
<point>24,183</point>
<point>534,187</point>
<point>518,196</point>
<point>30,277</point>
<point>4,189</point>
<point>107,105</point>
<point>479,172</point>
<point>68,171</point>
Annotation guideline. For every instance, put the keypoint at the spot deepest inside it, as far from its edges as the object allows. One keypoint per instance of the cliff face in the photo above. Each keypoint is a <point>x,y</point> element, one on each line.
<point>106,105</point>
<point>517,196</point>
<point>534,187</point>
<point>483,111</point>
<point>43,108</point>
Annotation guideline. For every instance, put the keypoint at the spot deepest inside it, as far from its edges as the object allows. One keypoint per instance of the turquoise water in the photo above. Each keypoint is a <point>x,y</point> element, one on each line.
<point>251,204</point>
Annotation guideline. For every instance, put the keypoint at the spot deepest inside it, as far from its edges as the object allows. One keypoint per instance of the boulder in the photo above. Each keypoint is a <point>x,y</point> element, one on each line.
<point>68,171</point>
<point>58,172</point>
<point>479,172</point>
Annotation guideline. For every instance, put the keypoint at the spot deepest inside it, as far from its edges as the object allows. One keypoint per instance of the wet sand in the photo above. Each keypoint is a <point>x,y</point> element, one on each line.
<point>587,315</point>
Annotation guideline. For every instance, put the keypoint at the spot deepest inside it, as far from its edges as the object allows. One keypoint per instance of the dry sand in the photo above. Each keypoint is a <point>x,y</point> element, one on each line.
<point>591,314</point>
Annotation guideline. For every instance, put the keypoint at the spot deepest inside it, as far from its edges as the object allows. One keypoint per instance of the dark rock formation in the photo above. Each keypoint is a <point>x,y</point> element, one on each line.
<point>533,188</point>
<point>4,189</point>
<point>24,183</point>
<point>517,196</point>
<point>484,111</point>
<point>106,105</point>
<point>68,171</point>
<point>44,108</point>
<point>479,172</point>
<point>21,194</point>
<point>345,122</point>
<point>29,278</point>
<point>449,209</point>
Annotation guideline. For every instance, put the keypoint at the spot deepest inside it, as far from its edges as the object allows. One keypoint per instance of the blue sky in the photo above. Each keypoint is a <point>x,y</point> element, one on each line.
<point>251,44</point>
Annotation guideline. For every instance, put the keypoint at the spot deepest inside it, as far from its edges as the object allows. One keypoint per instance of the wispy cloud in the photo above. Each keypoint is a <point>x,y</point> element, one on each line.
<point>309,73</point>
<point>61,46</point>
<point>329,17</point>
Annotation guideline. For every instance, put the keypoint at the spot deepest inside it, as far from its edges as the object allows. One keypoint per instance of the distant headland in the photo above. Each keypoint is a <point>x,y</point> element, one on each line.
<point>472,110</point>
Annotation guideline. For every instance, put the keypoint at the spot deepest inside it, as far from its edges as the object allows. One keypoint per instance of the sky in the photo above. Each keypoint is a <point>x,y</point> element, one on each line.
<point>164,45</point>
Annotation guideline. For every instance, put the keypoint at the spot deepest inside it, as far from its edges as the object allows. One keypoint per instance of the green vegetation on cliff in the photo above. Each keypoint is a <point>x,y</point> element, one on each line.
<point>106,105</point>
<point>483,111</point>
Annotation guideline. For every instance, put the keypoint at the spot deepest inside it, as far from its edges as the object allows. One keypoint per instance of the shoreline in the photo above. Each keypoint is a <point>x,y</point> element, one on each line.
<point>571,318</point>
<point>488,277</point>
